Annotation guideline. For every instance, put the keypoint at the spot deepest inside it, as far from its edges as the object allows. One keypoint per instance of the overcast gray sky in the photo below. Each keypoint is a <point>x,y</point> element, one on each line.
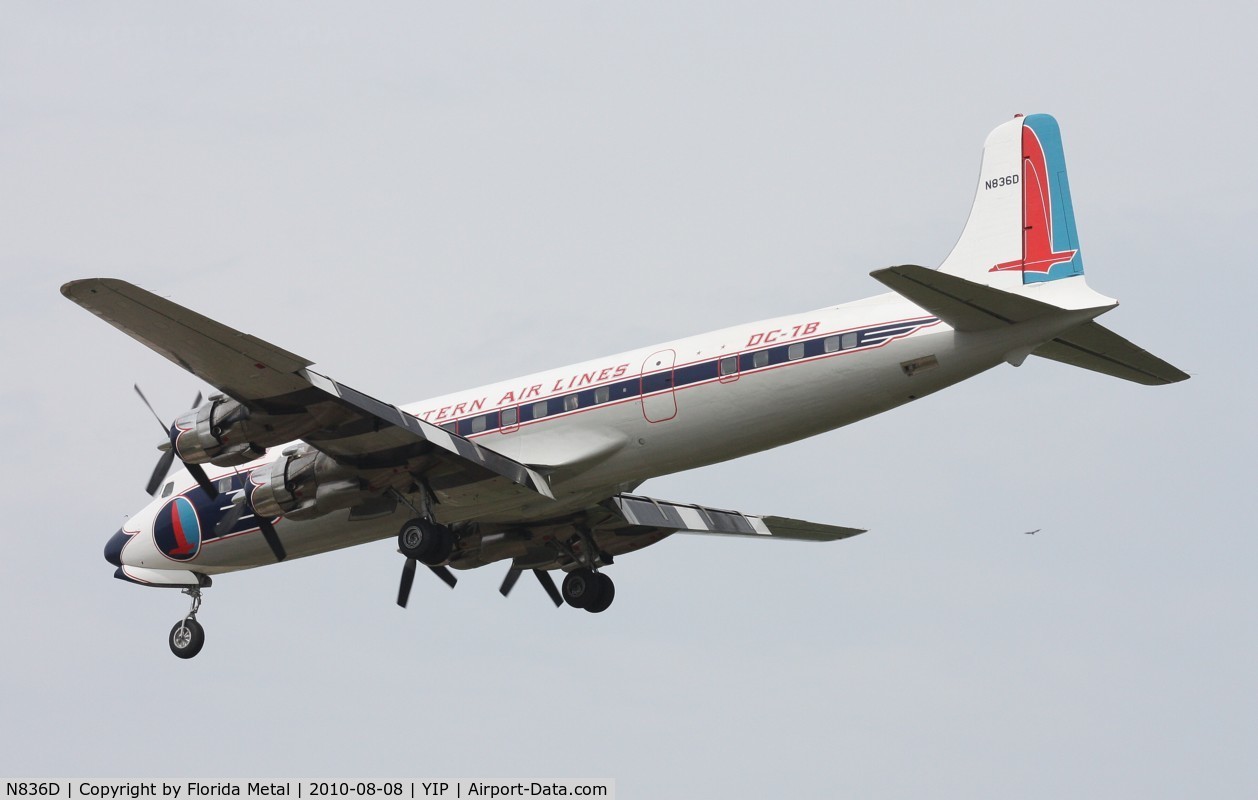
<point>423,198</point>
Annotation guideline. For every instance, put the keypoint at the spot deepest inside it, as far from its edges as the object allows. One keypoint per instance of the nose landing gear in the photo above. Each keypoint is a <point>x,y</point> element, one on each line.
<point>188,637</point>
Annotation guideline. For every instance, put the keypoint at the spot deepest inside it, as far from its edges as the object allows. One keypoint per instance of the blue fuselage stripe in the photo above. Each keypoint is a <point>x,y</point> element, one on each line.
<point>700,372</point>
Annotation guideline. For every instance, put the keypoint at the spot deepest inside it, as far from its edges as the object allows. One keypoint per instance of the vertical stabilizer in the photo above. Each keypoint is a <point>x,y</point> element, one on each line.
<point>1021,228</point>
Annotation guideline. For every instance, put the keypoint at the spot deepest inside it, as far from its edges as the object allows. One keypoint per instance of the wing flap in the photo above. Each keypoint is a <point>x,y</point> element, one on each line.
<point>404,429</point>
<point>691,518</point>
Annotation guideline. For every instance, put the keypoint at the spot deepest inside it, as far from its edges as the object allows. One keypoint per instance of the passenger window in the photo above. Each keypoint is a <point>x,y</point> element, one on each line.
<point>510,416</point>
<point>849,341</point>
<point>478,424</point>
<point>729,365</point>
<point>168,488</point>
<point>760,359</point>
<point>795,351</point>
<point>833,343</point>
<point>602,394</point>
<point>452,426</point>
<point>570,403</point>
<point>539,410</point>
<point>225,484</point>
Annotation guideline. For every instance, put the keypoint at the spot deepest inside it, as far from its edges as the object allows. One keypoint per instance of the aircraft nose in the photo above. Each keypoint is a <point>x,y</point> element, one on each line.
<point>113,548</point>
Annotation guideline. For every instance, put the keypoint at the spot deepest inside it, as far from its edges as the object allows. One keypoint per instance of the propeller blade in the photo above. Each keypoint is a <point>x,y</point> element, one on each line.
<point>195,469</point>
<point>508,582</point>
<point>408,577</point>
<point>165,427</point>
<point>548,583</point>
<point>233,515</point>
<point>160,471</point>
<point>445,575</point>
<point>273,540</point>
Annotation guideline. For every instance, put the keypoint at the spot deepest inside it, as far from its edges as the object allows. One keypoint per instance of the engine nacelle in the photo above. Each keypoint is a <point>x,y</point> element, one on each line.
<point>206,434</point>
<point>222,431</point>
<point>304,483</point>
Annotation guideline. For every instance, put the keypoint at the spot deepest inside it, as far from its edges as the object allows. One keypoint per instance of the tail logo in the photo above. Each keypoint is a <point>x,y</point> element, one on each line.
<point>1047,252</point>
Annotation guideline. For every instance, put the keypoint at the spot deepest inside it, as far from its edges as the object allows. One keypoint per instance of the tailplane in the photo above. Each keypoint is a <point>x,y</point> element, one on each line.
<point>1018,260</point>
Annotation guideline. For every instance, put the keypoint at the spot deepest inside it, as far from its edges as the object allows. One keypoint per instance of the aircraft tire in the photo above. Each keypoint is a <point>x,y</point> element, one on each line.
<point>186,638</point>
<point>607,593</point>
<point>581,588</point>
<point>426,542</point>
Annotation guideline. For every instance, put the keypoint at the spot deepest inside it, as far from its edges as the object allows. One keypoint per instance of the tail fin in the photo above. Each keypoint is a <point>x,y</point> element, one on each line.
<point>1018,260</point>
<point>1021,228</point>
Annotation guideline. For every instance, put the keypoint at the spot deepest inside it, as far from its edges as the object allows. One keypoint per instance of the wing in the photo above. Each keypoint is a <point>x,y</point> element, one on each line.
<point>351,427</point>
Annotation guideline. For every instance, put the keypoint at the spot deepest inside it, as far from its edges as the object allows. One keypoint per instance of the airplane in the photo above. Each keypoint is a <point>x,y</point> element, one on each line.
<point>543,471</point>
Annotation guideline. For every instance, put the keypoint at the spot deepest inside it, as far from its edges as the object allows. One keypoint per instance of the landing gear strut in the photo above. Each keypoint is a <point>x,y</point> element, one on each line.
<point>188,637</point>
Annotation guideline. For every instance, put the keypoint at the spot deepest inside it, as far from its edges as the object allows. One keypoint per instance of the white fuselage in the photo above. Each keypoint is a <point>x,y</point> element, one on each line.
<point>694,401</point>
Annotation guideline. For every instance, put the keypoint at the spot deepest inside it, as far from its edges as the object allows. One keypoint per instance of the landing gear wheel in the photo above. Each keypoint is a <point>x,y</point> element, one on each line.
<point>606,594</point>
<point>187,638</point>
<point>426,542</point>
<point>582,588</point>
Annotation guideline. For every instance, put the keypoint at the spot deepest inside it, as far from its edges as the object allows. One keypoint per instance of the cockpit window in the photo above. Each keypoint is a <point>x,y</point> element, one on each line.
<point>168,488</point>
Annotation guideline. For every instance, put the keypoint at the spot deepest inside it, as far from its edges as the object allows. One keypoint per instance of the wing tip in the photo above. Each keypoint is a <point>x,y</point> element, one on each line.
<point>77,288</point>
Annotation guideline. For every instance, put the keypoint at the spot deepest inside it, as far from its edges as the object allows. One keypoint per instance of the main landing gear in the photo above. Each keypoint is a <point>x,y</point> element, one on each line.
<point>427,542</point>
<point>188,637</point>
<point>585,588</point>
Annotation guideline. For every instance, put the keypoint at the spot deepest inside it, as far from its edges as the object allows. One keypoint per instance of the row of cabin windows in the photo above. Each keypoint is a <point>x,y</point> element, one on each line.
<point>633,387</point>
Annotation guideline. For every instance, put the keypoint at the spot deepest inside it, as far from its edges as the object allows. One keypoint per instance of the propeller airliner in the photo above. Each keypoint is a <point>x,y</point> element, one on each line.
<point>542,472</point>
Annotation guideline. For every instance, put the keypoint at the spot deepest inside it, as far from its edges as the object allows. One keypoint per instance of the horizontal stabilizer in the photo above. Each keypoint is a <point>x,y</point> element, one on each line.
<point>1099,349</point>
<point>963,304</point>
<point>690,518</point>
<point>969,306</point>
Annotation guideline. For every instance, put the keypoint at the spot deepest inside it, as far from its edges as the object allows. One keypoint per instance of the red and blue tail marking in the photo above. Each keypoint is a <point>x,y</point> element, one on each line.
<point>1050,245</point>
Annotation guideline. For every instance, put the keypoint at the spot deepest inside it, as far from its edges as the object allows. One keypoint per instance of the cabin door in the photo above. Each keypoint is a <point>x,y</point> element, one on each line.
<point>659,403</point>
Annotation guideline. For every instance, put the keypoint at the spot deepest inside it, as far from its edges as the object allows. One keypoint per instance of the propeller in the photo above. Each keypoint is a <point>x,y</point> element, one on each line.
<point>543,577</point>
<point>240,501</point>
<point>169,454</point>
<point>508,582</point>
<point>548,583</point>
<point>408,578</point>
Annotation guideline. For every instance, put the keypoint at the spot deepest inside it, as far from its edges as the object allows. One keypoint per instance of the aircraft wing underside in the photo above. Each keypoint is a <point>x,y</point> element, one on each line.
<point>353,428</point>
<point>625,523</point>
